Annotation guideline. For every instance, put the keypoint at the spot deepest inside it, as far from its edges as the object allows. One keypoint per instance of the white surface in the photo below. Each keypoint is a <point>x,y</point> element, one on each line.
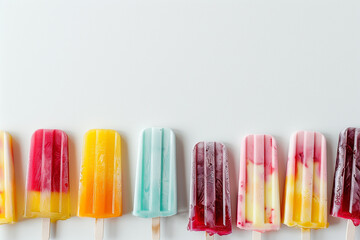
<point>209,69</point>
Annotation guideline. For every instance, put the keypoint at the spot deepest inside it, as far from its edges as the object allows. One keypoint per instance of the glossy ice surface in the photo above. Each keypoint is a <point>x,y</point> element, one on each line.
<point>7,184</point>
<point>305,186</point>
<point>48,194</point>
<point>155,186</point>
<point>100,190</point>
<point>258,197</point>
<point>210,208</point>
<point>345,201</point>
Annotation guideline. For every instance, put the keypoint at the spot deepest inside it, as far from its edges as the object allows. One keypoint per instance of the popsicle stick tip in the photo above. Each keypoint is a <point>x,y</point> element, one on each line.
<point>208,236</point>
<point>46,229</point>
<point>256,235</point>
<point>99,228</point>
<point>156,228</point>
<point>350,230</point>
<point>305,234</point>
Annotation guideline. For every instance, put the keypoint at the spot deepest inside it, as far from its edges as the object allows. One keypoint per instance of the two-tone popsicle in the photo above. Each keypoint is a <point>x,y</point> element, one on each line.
<point>306,183</point>
<point>258,197</point>
<point>47,188</point>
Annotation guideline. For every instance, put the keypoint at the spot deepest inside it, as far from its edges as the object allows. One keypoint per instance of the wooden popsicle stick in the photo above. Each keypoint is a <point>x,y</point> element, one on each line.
<point>350,230</point>
<point>99,228</point>
<point>156,228</point>
<point>46,229</point>
<point>256,235</point>
<point>208,237</point>
<point>305,234</point>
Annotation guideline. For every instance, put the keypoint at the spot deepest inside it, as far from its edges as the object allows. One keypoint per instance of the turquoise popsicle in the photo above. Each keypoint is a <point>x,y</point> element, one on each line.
<point>155,186</point>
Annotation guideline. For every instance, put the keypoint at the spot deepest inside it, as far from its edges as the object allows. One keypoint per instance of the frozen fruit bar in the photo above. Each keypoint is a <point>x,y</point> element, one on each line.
<point>258,197</point>
<point>305,186</point>
<point>210,189</point>
<point>48,193</point>
<point>100,191</point>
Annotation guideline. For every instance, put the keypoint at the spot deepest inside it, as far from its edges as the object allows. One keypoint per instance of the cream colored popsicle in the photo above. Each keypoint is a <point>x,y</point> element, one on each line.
<point>258,197</point>
<point>305,186</point>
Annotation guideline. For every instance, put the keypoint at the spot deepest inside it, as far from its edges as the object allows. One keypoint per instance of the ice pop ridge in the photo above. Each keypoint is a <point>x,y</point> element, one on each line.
<point>305,186</point>
<point>48,194</point>
<point>345,202</point>
<point>258,198</point>
<point>210,209</point>
<point>155,187</point>
<point>7,183</point>
<point>100,190</point>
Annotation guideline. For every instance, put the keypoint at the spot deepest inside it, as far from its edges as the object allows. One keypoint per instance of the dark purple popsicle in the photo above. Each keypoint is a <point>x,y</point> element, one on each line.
<point>210,190</point>
<point>345,200</point>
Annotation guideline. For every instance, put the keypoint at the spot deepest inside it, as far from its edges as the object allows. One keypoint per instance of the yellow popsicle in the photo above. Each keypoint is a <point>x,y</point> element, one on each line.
<point>100,179</point>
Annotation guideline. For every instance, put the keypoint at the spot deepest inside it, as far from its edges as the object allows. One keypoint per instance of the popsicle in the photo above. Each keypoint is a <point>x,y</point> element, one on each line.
<point>100,190</point>
<point>7,181</point>
<point>258,197</point>
<point>47,191</point>
<point>305,185</point>
<point>345,200</point>
<point>155,186</point>
<point>210,209</point>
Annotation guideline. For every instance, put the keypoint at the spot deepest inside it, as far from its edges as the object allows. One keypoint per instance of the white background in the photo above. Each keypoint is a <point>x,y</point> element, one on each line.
<point>209,69</point>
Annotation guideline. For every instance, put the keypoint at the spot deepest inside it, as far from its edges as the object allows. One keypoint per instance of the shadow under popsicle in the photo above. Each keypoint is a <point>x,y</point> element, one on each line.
<point>74,170</point>
<point>127,195</point>
<point>331,159</point>
<point>182,198</point>
<point>53,230</point>
<point>19,179</point>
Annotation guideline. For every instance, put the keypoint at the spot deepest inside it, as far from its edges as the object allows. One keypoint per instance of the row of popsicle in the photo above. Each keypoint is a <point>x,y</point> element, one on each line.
<point>258,205</point>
